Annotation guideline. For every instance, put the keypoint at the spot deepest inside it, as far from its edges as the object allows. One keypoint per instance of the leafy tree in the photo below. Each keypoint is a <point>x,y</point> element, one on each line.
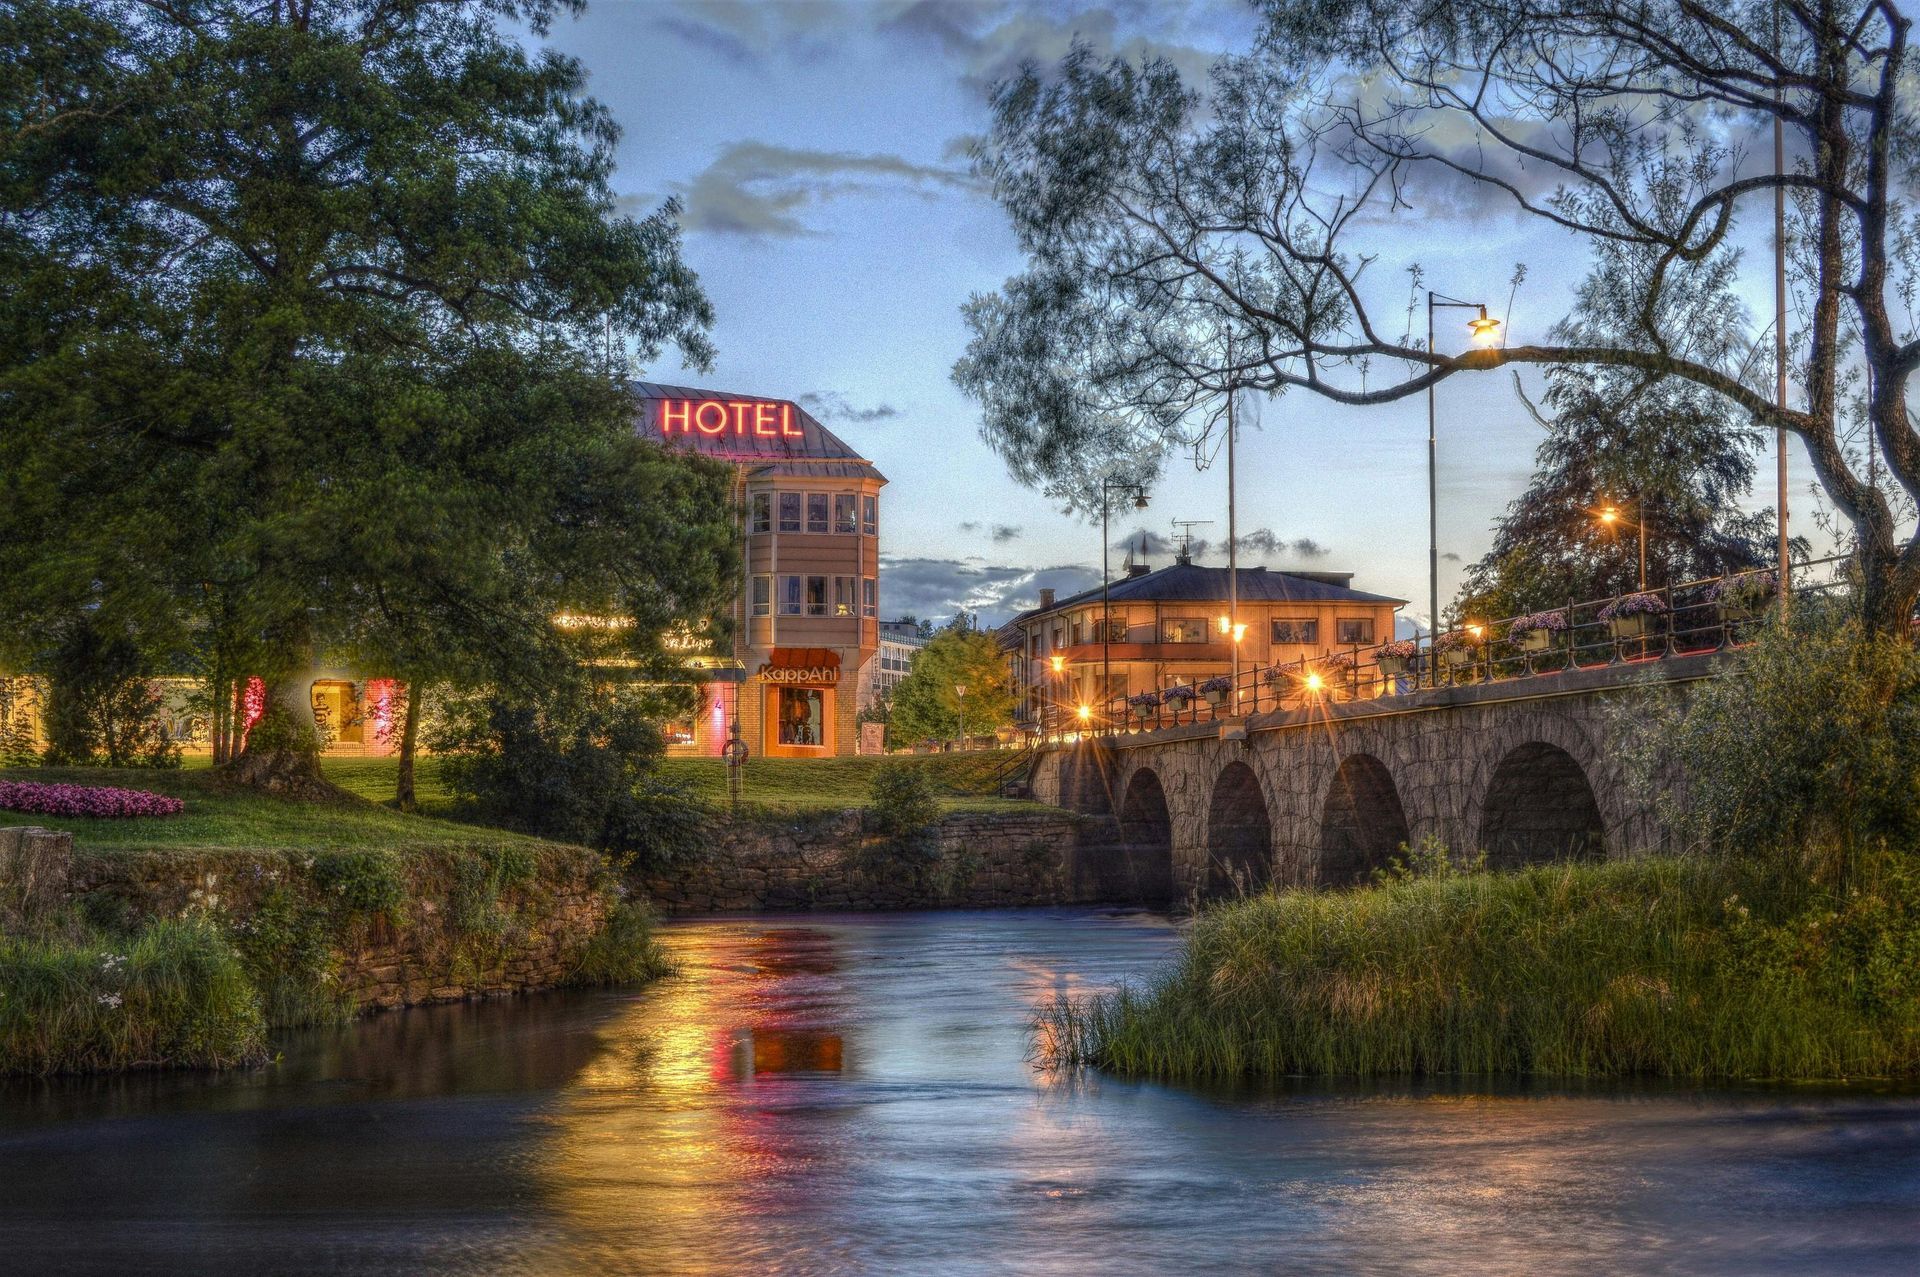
<point>926,705</point>
<point>1180,246</point>
<point>101,706</point>
<point>321,307</point>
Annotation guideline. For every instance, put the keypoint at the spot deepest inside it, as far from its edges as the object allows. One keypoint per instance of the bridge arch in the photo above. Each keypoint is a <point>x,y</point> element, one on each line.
<point>1239,834</point>
<point>1362,822</point>
<point>1539,806</point>
<point>1141,866</point>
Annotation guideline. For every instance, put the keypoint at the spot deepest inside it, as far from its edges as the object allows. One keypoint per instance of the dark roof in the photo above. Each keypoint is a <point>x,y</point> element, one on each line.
<point>816,451</point>
<point>1190,583</point>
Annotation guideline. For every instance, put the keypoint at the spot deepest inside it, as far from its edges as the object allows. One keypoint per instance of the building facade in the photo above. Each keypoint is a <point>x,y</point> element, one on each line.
<point>1165,631</point>
<point>807,622</point>
<point>900,642</point>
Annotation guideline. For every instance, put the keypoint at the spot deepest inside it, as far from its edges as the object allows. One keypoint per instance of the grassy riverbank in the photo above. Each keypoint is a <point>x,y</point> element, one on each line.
<point>1690,969</point>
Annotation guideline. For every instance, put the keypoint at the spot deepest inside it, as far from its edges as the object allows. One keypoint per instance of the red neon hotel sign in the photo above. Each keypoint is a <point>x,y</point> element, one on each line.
<point>740,417</point>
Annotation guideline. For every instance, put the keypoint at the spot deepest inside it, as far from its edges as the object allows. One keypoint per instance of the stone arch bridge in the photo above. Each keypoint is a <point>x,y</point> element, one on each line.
<point>1526,770</point>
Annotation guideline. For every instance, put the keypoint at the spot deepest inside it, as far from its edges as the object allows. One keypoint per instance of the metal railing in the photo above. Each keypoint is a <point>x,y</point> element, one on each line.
<point>1687,619</point>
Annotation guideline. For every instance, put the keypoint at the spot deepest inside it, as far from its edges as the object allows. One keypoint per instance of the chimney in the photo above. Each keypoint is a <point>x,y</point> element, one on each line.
<point>1046,598</point>
<point>1138,569</point>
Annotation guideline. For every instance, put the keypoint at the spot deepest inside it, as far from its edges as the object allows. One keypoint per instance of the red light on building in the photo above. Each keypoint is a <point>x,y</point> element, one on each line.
<point>738,417</point>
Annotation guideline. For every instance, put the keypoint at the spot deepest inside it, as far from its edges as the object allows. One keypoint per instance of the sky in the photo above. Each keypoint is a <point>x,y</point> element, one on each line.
<point>819,151</point>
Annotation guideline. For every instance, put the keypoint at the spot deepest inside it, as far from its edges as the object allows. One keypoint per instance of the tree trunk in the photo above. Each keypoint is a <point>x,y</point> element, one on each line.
<point>291,772</point>
<point>403,797</point>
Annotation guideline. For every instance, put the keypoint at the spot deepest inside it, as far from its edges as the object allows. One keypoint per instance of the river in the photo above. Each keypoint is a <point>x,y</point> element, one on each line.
<point>828,1094</point>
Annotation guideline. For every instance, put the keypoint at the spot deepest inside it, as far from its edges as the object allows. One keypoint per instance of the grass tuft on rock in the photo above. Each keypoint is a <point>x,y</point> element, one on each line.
<point>1698,969</point>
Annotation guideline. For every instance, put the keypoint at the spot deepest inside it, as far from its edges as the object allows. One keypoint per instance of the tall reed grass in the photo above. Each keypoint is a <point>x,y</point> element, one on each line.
<point>1689,968</point>
<point>173,995</point>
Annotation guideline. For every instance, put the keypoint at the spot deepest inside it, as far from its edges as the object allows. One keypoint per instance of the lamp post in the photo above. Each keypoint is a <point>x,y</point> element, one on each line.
<point>1106,581</point>
<point>1059,666</point>
<point>1611,516</point>
<point>1483,330</point>
<point>960,694</point>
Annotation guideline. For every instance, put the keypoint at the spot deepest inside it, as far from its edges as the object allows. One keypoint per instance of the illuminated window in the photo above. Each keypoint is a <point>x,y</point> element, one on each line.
<point>843,596</point>
<point>1352,630</point>
<point>789,511</point>
<point>790,596</point>
<point>1300,631</point>
<point>816,596</point>
<point>844,518</point>
<point>762,596</point>
<point>1183,629</point>
<point>803,718</point>
<point>869,596</point>
<point>816,512</point>
<point>870,516</point>
<point>763,512</point>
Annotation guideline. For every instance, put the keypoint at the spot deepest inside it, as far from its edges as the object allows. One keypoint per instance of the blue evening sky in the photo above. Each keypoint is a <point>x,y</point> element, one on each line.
<point>819,151</point>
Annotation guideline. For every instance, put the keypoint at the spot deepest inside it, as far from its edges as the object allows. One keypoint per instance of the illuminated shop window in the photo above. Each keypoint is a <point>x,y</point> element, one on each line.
<point>1297,630</point>
<point>762,596</point>
<point>816,512</point>
<point>789,511</point>
<point>677,731</point>
<point>1351,629</point>
<point>816,596</point>
<point>843,600</point>
<point>803,716</point>
<point>869,596</point>
<point>844,519</point>
<point>790,596</point>
<point>763,512</point>
<point>870,516</point>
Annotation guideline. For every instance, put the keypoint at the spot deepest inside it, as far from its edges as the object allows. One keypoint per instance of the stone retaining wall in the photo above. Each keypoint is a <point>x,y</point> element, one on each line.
<point>985,861</point>
<point>536,933</point>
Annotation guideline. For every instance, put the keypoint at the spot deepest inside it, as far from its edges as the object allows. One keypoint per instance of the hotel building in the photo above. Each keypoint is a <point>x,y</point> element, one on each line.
<point>806,623</point>
<point>1165,632</point>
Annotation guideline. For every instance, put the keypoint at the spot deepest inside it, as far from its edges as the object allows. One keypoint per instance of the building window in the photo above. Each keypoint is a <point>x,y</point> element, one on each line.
<point>816,512</point>
<point>789,511</point>
<point>843,513</point>
<point>1299,631</point>
<point>843,600</point>
<point>816,596</point>
<point>762,596</point>
<point>1354,630</point>
<point>870,516</point>
<point>763,512</point>
<point>869,596</point>
<point>1183,629</point>
<point>790,596</point>
<point>803,716</point>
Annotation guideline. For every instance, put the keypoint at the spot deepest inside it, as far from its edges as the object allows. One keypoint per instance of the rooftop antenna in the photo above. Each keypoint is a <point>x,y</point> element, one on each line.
<point>1183,528</point>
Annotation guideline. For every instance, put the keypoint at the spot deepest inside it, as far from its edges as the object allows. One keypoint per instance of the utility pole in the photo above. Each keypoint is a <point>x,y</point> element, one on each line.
<point>1233,570</point>
<point>1780,319</point>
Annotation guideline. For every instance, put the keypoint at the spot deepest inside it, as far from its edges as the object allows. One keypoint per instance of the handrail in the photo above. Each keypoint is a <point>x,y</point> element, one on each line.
<point>1686,619</point>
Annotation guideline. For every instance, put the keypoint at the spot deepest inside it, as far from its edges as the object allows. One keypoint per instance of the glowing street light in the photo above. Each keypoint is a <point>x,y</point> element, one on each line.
<point>1610,516</point>
<point>1483,327</point>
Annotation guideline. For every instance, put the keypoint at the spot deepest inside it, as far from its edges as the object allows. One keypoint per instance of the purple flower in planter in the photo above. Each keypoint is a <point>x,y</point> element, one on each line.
<point>1748,587</point>
<point>1402,649</point>
<point>1145,700</point>
<point>93,802</point>
<point>1553,622</point>
<point>1219,685</point>
<point>1175,695</point>
<point>1647,604</point>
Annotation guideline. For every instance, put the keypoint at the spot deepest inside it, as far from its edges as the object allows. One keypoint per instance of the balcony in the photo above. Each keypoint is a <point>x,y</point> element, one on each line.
<point>1081,653</point>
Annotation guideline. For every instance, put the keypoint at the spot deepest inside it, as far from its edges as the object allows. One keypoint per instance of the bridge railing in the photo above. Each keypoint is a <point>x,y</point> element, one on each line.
<point>1684,619</point>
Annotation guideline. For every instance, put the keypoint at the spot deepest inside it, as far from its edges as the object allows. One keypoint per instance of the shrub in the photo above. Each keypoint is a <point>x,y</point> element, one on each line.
<point>1805,745</point>
<point>175,995</point>
<point>93,802</point>
<point>902,813</point>
<point>278,732</point>
<point>100,706</point>
<point>624,951</point>
<point>362,881</point>
<point>286,944</point>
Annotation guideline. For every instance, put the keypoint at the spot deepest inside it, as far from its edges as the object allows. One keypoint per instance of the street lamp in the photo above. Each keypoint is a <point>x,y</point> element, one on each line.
<point>960,692</point>
<point>1058,664</point>
<point>1106,593</point>
<point>1483,328</point>
<point>1611,517</point>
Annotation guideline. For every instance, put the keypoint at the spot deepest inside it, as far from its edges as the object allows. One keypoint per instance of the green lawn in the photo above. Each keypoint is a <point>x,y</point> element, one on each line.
<point>220,818</point>
<point>963,782</point>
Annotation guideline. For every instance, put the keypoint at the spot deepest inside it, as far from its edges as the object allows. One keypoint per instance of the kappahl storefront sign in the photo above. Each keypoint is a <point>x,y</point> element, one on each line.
<point>815,665</point>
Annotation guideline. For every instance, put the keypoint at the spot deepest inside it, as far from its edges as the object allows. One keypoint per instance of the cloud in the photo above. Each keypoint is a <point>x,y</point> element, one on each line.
<point>831,405</point>
<point>1005,532</point>
<point>1450,557</point>
<point>972,525</point>
<point>760,189</point>
<point>1260,546</point>
<point>938,588</point>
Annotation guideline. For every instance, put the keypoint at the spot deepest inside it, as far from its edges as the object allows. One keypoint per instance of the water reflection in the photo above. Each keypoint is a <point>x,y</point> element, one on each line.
<point>852,1095</point>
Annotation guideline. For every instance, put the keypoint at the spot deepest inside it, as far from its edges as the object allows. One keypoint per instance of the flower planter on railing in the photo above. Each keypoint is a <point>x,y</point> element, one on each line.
<point>1393,657</point>
<point>1216,690</point>
<point>1630,615</point>
<point>1178,698</point>
<point>1145,705</point>
<point>1536,631</point>
<point>1743,597</point>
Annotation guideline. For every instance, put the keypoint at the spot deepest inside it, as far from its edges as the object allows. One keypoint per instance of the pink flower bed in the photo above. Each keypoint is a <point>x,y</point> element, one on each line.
<point>84,800</point>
